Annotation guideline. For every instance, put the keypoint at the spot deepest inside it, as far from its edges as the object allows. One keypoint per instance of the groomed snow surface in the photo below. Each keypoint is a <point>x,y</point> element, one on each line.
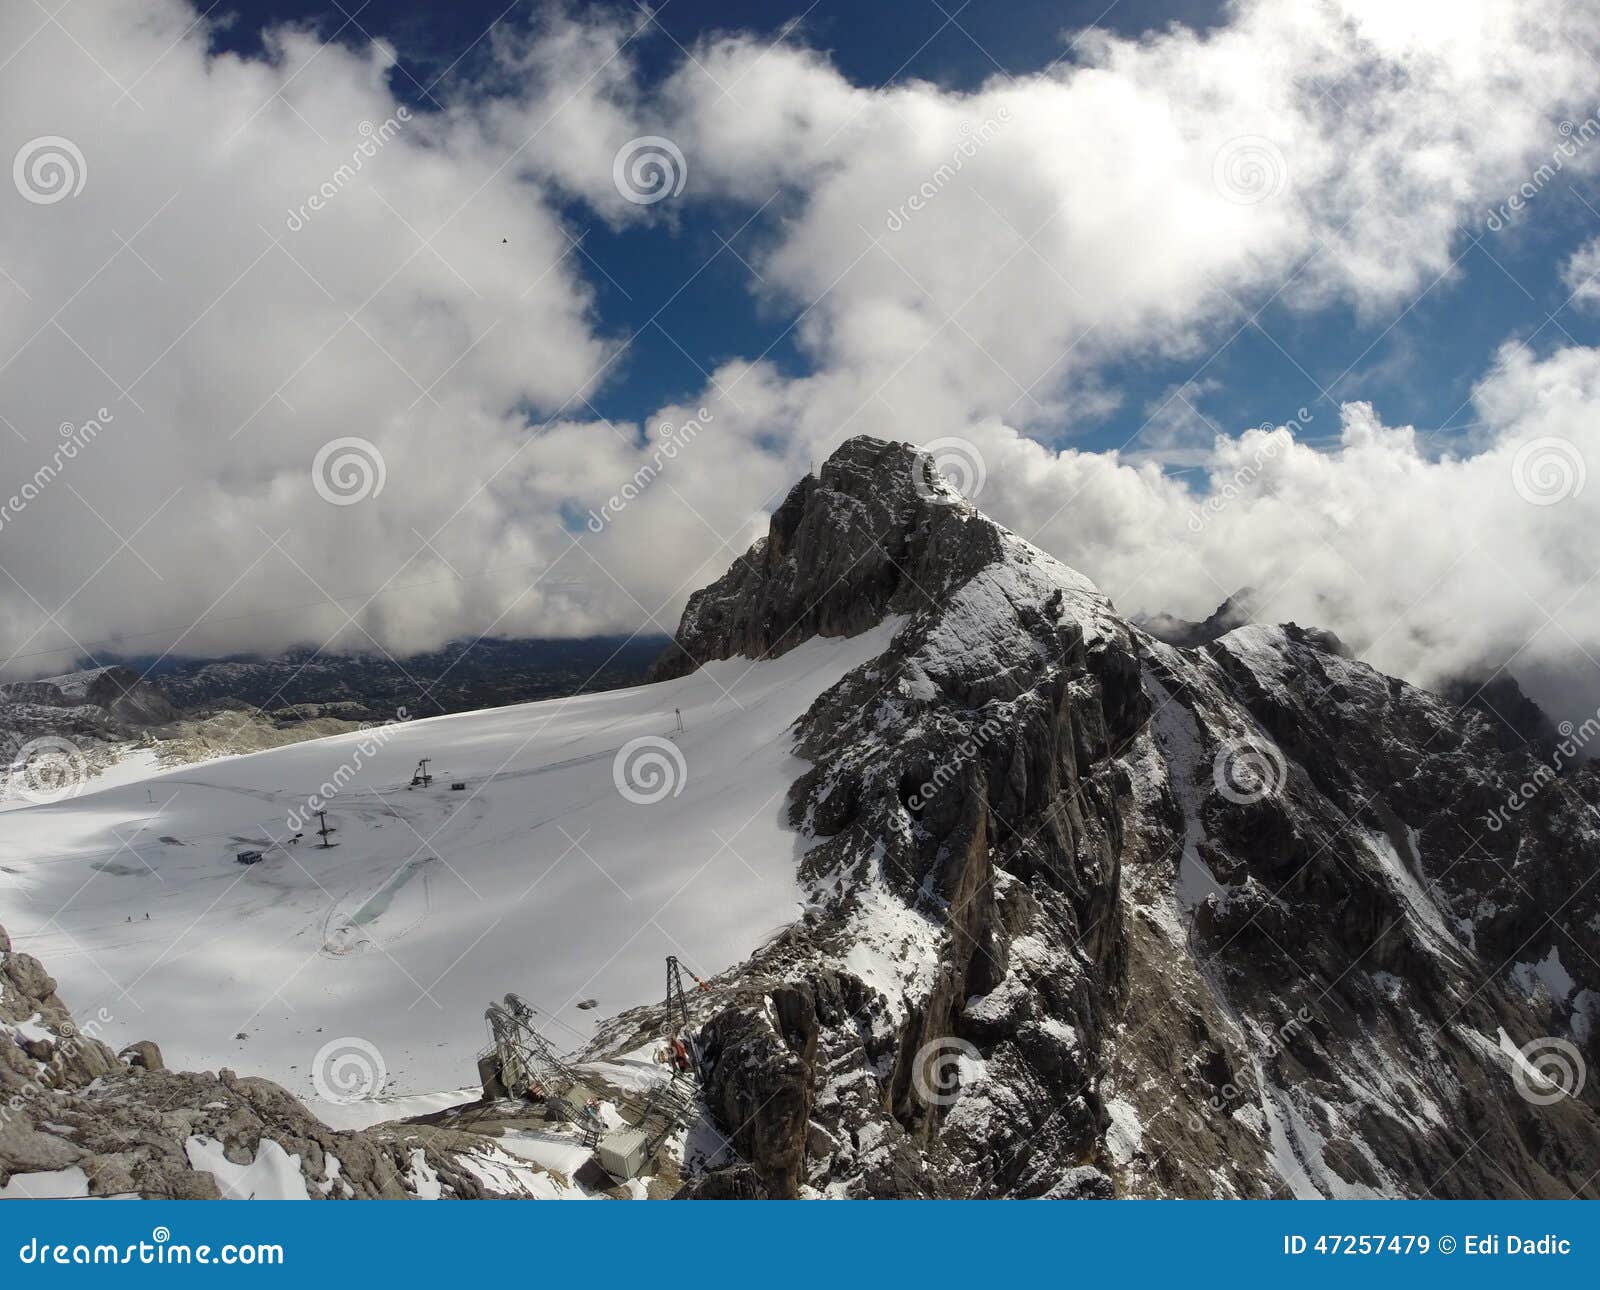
<point>540,877</point>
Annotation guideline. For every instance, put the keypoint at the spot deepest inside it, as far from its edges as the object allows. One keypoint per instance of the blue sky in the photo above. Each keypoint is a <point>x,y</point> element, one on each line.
<point>1416,364</point>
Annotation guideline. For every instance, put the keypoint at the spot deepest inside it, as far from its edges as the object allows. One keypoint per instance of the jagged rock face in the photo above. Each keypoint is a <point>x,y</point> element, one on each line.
<point>1091,912</point>
<point>1238,610</point>
<point>862,540</point>
<point>757,1069</point>
<point>119,692</point>
<point>67,1102</point>
<point>1361,923</point>
<point>98,713</point>
<point>1517,721</point>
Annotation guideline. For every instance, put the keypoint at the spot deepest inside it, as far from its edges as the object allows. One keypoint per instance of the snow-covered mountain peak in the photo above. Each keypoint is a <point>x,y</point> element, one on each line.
<point>875,531</point>
<point>1217,920</point>
<point>994,893</point>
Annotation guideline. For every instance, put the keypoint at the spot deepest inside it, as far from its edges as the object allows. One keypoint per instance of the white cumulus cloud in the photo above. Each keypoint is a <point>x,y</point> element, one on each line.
<point>951,263</point>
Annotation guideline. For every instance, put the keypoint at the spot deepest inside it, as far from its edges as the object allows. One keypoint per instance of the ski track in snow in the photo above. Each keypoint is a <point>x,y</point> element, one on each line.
<point>539,878</point>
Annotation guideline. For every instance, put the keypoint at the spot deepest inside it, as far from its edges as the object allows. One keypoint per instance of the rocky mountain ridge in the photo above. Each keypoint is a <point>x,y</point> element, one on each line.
<point>1087,914</point>
<point>1091,914</point>
<point>77,1118</point>
<point>188,710</point>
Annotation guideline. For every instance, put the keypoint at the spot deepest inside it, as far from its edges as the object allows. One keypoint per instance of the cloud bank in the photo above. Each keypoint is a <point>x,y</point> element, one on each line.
<point>246,261</point>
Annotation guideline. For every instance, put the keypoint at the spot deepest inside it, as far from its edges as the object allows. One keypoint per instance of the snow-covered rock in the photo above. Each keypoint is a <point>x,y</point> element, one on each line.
<point>994,893</point>
<point>1213,920</point>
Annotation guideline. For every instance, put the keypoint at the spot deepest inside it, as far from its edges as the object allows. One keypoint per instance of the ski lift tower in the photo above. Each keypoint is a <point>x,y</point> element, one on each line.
<point>529,1067</point>
<point>677,1004</point>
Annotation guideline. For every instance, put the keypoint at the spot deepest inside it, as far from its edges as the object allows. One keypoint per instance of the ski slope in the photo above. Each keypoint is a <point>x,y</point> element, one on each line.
<point>540,877</point>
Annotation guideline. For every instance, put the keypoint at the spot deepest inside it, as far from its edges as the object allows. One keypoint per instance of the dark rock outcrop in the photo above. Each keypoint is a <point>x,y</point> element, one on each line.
<point>1518,722</point>
<point>1088,911</point>
<point>1238,610</point>
<point>758,1072</point>
<point>134,1128</point>
<point>120,693</point>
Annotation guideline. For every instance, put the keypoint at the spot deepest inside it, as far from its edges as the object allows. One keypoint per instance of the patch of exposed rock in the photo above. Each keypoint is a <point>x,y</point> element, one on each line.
<point>131,1127</point>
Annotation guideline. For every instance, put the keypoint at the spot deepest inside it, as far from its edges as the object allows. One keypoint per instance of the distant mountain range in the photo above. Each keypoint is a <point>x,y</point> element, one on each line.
<point>461,676</point>
<point>192,709</point>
